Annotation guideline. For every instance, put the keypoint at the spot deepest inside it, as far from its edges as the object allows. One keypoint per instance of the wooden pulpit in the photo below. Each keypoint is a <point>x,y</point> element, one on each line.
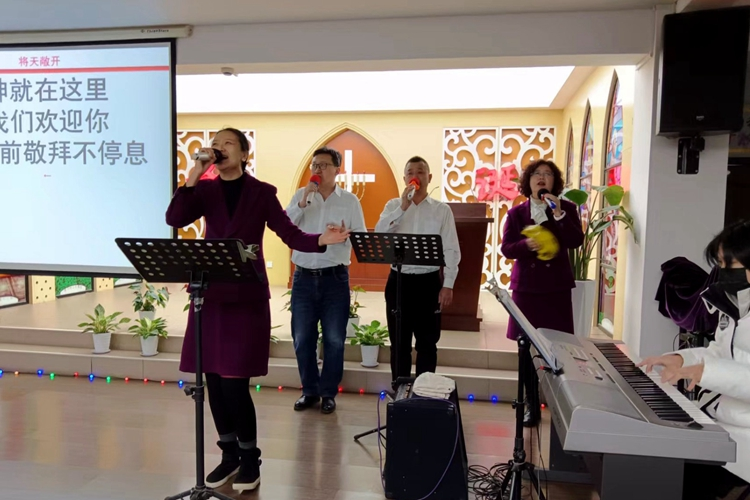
<point>471,226</point>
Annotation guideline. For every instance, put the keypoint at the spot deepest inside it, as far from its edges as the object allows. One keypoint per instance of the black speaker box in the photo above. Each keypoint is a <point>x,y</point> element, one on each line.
<point>425,450</point>
<point>703,72</point>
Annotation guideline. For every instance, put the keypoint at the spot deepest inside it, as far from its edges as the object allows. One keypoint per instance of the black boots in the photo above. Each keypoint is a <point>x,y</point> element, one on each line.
<point>249,475</point>
<point>230,464</point>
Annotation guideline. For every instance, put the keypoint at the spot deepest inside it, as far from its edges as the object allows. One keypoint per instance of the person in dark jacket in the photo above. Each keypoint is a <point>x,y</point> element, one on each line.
<point>236,322</point>
<point>541,288</point>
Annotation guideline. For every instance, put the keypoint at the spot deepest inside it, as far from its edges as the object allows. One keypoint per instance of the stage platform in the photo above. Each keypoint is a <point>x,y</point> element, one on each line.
<point>45,336</point>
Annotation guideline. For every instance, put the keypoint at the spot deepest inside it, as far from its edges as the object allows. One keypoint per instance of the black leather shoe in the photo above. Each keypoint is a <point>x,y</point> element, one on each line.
<point>328,406</point>
<point>306,402</point>
<point>530,419</point>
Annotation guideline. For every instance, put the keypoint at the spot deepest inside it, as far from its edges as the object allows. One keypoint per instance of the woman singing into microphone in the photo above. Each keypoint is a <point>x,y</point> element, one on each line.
<point>541,288</point>
<point>236,317</point>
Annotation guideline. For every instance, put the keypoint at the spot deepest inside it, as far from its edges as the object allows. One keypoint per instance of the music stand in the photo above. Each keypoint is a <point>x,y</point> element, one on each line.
<point>196,262</point>
<point>518,464</point>
<point>397,250</point>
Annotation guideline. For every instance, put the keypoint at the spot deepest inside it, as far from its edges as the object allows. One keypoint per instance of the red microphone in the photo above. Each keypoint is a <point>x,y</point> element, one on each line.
<point>315,179</point>
<point>414,183</point>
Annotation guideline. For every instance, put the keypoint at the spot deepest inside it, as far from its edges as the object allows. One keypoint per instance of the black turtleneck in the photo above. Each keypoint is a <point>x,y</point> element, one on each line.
<point>232,191</point>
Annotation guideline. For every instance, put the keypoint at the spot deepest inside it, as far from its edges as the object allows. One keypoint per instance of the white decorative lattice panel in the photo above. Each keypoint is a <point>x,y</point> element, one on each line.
<point>188,142</point>
<point>482,164</point>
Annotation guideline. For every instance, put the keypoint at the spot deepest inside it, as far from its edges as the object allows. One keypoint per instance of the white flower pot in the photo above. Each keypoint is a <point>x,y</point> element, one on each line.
<point>370,355</point>
<point>101,342</point>
<point>147,314</point>
<point>318,353</point>
<point>149,346</point>
<point>350,333</point>
<point>584,295</point>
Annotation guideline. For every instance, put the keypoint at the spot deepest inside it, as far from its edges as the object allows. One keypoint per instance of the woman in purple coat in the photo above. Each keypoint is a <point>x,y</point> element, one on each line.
<point>541,288</point>
<point>236,322</point>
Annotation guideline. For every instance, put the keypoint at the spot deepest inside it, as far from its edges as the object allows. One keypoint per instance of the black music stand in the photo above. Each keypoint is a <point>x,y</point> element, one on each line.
<point>518,465</point>
<point>398,250</point>
<point>194,262</point>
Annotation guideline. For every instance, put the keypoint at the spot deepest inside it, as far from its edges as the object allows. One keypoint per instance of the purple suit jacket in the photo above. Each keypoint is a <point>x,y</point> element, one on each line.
<point>257,207</point>
<point>530,274</point>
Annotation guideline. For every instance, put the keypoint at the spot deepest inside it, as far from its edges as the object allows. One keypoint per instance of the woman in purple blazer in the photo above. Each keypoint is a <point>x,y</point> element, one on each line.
<point>541,288</point>
<point>236,322</point>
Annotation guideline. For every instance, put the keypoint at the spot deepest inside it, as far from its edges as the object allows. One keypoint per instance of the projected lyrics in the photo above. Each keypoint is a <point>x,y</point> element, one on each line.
<point>56,125</point>
<point>46,90</point>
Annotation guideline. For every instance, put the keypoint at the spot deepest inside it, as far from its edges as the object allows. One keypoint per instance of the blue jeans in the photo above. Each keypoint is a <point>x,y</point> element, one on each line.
<point>323,297</point>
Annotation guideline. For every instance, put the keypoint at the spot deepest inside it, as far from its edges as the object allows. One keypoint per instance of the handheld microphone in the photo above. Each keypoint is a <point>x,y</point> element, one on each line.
<point>315,179</point>
<point>414,183</point>
<point>542,193</point>
<point>203,156</point>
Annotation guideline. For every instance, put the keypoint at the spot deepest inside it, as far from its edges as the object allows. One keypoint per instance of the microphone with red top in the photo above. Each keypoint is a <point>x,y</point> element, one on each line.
<point>314,179</point>
<point>414,184</point>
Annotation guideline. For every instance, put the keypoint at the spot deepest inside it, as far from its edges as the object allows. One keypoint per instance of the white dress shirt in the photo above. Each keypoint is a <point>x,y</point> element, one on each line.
<point>429,217</point>
<point>341,205</point>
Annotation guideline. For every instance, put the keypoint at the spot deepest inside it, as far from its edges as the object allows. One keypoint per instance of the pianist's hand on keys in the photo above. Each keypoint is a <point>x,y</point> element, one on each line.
<point>673,370</point>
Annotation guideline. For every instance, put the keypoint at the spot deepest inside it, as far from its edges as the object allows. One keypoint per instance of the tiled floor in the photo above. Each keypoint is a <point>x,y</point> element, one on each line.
<point>68,439</point>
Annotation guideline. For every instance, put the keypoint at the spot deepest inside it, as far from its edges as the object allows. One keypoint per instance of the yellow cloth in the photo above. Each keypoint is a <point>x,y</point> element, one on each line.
<point>548,245</point>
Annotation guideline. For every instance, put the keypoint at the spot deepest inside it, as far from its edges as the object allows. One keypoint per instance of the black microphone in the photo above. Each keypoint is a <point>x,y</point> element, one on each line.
<point>541,196</point>
<point>203,156</point>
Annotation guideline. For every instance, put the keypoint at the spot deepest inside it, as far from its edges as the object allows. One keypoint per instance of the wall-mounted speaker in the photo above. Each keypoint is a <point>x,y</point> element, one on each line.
<point>704,64</point>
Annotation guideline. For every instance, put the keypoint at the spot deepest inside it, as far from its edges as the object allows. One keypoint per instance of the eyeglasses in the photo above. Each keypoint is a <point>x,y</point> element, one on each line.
<point>321,166</point>
<point>542,174</point>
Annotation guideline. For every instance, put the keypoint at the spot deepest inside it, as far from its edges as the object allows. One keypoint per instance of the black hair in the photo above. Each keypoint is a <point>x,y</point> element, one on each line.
<point>244,143</point>
<point>734,241</point>
<point>557,186</point>
<point>417,159</point>
<point>335,155</point>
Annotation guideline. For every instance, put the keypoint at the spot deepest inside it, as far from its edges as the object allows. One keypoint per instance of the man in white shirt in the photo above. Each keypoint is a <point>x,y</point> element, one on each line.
<point>320,289</point>
<point>424,292</point>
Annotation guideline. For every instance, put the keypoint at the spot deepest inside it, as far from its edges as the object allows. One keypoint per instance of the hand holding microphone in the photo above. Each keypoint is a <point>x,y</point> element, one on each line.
<point>309,194</point>
<point>204,158</point>
<point>551,200</point>
<point>408,193</point>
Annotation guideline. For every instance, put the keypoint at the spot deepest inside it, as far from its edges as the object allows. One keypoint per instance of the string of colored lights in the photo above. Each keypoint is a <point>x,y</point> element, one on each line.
<point>181,383</point>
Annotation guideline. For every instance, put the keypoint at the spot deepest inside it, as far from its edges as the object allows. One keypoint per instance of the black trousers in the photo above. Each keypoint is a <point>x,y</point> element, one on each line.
<point>419,318</point>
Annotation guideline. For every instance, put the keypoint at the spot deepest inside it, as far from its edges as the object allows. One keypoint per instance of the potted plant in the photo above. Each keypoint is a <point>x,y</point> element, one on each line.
<point>370,338</point>
<point>145,303</point>
<point>149,330</point>
<point>354,306</point>
<point>101,326</point>
<point>598,221</point>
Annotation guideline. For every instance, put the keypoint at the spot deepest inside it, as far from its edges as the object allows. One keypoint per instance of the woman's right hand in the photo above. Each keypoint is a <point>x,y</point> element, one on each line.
<point>532,244</point>
<point>200,167</point>
<point>667,361</point>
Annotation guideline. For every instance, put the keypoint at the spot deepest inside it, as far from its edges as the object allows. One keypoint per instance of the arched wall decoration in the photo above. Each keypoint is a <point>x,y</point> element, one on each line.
<point>610,176</point>
<point>504,151</point>
<point>570,158</point>
<point>189,141</point>
<point>585,180</point>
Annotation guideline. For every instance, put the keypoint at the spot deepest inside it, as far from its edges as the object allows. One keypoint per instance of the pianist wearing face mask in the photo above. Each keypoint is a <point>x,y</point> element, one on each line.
<point>722,369</point>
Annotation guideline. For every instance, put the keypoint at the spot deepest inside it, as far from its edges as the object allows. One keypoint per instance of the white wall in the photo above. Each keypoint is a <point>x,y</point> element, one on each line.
<point>622,37</point>
<point>676,215</point>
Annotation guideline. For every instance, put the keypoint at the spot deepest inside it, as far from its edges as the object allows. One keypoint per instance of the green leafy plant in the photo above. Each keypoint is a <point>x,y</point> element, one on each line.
<point>354,305</point>
<point>148,300</point>
<point>288,305</point>
<point>599,221</point>
<point>146,328</point>
<point>372,334</point>
<point>101,322</point>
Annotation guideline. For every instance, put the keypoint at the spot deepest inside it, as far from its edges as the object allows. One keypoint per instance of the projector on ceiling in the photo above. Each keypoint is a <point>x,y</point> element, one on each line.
<point>96,35</point>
